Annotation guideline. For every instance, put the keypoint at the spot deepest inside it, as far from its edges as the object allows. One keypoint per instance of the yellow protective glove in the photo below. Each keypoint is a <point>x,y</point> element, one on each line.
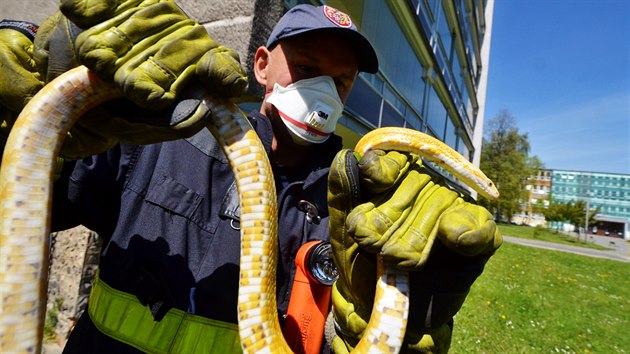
<point>17,61</point>
<point>19,78</point>
<point>151,50</point>
<point>391,205</point>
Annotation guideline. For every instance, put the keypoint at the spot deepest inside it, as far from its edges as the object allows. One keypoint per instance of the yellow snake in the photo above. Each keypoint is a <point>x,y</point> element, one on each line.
<point>25,188</point>
<point>385,331</point>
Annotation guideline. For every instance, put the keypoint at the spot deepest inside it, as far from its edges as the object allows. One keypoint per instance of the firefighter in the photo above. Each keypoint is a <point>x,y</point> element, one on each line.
<point>143,174</point>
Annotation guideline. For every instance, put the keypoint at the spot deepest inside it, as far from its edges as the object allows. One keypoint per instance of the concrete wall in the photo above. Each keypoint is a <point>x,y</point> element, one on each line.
<point>242,25</point>
<point>34,10</point>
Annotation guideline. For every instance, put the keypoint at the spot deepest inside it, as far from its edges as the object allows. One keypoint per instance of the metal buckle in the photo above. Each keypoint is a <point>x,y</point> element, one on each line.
<point>312,214</point>
<point>237,228</point>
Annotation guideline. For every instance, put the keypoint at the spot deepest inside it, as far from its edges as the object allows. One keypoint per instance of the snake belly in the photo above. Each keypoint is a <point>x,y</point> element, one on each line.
<point>26,189</point>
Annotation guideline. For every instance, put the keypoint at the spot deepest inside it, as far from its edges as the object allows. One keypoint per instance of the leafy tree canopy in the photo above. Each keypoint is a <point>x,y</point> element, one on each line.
<point>505,159</point>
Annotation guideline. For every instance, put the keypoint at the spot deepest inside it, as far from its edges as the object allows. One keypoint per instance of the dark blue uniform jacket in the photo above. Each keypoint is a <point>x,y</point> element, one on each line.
<point>168,215</point>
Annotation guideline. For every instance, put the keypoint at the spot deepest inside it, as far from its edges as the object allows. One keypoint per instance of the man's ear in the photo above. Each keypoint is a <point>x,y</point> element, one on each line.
<point>261,62</point>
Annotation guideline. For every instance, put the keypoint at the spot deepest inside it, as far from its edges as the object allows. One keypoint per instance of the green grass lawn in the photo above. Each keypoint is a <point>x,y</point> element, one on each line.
<point>531,300</point>
<point>542,234</point>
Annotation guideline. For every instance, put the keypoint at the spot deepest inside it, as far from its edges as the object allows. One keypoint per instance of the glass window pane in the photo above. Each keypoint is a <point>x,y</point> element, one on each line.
<point>403,70</point>
<point>391,117</point>
<point>450,137</point>
<point>436,113</point>
<point>364,102</point>
<point>413,120</point>
<point>444,33</point>
<point>464,149</point>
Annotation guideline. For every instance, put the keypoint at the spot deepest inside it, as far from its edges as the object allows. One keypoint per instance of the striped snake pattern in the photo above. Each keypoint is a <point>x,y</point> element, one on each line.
<point>26,190</point>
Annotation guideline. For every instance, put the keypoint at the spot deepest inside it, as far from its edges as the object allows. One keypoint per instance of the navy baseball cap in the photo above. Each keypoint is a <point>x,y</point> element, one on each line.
<point>308,18</point>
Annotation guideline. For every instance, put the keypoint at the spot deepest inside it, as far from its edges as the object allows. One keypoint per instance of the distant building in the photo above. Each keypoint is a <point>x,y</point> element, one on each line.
<point>539,191</point>
<point>610,192</point>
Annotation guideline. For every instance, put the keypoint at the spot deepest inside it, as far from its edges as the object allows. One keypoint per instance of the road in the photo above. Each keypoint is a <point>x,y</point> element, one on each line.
<point>619,248</point>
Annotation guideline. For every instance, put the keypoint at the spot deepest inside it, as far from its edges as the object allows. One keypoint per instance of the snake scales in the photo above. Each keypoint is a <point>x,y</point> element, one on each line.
<point>25,189</point>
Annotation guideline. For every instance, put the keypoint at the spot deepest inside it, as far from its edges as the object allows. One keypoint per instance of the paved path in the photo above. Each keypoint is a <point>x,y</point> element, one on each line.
<point>620,249</point>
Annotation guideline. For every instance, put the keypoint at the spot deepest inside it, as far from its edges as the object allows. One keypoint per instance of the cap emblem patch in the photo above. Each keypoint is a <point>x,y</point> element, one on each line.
<point>337,17</point>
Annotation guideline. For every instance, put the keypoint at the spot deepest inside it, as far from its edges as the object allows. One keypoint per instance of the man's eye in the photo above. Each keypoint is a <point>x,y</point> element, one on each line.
<point>306,70</point>
<point>341,87</point>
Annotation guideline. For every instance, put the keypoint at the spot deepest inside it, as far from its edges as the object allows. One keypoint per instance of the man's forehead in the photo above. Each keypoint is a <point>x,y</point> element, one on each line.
<point>318,46</point>
<point>322,40</point>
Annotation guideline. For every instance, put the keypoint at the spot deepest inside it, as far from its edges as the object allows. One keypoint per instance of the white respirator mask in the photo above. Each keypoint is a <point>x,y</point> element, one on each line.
<point>310,108</point>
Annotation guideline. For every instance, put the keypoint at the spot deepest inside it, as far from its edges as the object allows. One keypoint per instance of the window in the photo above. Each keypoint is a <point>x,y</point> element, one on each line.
<point>464,149</point>
<point>391,117</point>
<point>450,135</point>
<point>403,70</point>
<point>364,102</point>
<point>436,113</point>
<point>445,35</point>
<point>413,120</point>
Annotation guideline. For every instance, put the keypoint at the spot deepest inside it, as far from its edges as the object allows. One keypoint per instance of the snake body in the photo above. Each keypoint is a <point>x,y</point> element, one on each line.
<point>385,331</point>
<point>26,192</point>
<point>401,139</point>
<point>25,188</point>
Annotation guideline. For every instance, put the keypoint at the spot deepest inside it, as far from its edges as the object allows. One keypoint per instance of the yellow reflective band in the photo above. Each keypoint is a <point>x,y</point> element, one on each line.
<point>121,316</point>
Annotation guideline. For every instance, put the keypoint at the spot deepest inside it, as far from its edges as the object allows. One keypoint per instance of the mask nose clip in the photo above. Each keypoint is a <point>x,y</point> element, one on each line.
<point>312,214</point>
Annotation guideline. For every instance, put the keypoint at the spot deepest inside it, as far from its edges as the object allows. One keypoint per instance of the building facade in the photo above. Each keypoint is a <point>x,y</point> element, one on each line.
<point>609,192</point>
<point>538,193</point>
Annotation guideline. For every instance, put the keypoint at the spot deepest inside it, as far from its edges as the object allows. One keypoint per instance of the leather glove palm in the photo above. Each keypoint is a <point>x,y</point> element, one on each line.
<point>389,204</point>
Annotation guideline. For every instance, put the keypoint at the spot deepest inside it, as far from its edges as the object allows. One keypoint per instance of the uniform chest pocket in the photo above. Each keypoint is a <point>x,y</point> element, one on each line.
<point>174,196</point>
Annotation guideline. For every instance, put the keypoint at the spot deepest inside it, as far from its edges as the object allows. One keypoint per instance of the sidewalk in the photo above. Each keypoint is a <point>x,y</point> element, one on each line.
<point>619,248</point>
<point>616,243</point>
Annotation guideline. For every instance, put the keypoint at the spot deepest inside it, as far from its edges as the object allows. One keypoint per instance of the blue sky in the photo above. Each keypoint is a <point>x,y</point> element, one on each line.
<point>562,69</point>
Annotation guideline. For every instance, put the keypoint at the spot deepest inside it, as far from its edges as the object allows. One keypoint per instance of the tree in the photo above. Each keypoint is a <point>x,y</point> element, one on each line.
<point>554,212</point>
<point>576,213</point>
<point>573,212</point>
<point>505,160</point>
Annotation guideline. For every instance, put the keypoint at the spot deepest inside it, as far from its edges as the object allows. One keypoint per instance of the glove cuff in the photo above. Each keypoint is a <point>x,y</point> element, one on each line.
<point>26,28</point>
<point>54,46</point>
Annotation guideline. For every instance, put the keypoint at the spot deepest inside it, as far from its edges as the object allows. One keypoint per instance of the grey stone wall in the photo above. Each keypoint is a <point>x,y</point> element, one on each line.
<point>33,10</point>
<point>74,260</point>
<point>239,24</point>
